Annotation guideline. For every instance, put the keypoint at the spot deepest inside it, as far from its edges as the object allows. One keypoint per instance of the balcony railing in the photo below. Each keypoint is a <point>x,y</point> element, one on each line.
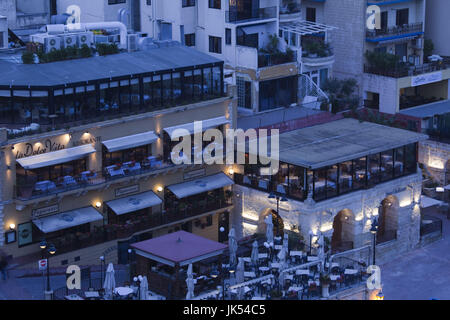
<point>234,16</point>
<point>268,60</point>
<point>405,71</point>
<point>75,241</point>
<point>39,189</point>
<point>395,31</point>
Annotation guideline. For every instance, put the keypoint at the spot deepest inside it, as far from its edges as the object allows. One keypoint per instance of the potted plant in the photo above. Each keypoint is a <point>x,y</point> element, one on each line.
<point>325,281</point>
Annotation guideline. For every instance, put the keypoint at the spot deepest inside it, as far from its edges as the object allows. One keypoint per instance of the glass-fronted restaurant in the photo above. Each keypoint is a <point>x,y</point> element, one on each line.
<point>309,160</point>
<point>104,93</point>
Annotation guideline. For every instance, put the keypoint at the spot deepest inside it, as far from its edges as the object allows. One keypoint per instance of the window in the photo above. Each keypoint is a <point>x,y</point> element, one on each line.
<point>244,93</point>
<point>116,1</point>
<point>215,44</point>
<point>402,17</point>
<point>188,3</point>
<point>214,4</point>
<point>189,39</point>
<point>311,14</point>
<point>384,20</point>
<point>228,36</point>
<point>149,2</point>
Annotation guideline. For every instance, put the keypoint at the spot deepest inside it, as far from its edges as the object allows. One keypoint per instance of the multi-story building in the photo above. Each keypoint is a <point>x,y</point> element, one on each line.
<point>437,24</point>
<point>329,182</point>
<point>86,153</point>
<point>261,43</point>
<point>381,45</point>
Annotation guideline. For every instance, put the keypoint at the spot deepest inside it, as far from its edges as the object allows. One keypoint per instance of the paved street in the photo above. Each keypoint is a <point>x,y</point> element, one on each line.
<point>423,274</point>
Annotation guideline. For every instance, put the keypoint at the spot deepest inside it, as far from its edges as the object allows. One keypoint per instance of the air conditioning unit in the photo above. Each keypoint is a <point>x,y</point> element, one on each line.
<point>70,41</point>
<point>85,38</point>
<point>52,43</point>
<point>114,38</point>
<point>132,42</point>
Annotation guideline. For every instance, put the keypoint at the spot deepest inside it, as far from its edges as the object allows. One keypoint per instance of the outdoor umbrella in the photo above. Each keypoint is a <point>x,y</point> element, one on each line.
<point>110,281</point>
<point>269,230</point>
<point>240,277</point>
<point>232,246</point>
<point>190,283</point>
<point>255,254</point>
<point>321,251</point>
<point>143,291</point>
<point>282,255</point>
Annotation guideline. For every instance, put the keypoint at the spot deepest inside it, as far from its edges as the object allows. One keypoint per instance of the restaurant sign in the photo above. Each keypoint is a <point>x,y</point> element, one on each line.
<point>36,213</point>
<point>28,149</point>
<point>426,78</point>
<point>127,190</point>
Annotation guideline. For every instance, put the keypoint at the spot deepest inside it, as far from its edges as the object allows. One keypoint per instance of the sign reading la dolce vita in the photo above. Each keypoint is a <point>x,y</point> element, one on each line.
<point>24,150</point>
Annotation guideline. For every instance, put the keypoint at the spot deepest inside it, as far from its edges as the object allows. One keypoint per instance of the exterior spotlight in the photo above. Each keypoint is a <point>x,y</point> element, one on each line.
<point>12,226</point>
<point>43,244</point>
<point>98,204</point>
<point>231,171</point>
<point>159,189</point>
<point>380,295</point>
<point>52,249</point>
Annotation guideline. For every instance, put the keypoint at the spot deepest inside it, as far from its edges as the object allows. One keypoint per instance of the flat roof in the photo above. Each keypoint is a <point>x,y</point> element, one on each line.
<point>428,110</point>
<point>341,140</point>
<point>179,247</point>
<point>94,68</point>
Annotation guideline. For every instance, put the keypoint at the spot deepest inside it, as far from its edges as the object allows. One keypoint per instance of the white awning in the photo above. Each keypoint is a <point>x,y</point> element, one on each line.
<point>129,142</point>
<point>305,27</point>
<point>186,189</point>
<point>56,157</point>
<point>426,202</point>
<point>134,203</point>
<point>67,219</point>
<point>206,124</point>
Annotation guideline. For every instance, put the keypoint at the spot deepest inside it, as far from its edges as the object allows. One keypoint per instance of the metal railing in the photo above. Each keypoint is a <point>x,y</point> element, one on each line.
<point>233,16</point>
<point>28,190</point>
<point>405,71</point>
<point>268,60</point>
<point>395,31</point>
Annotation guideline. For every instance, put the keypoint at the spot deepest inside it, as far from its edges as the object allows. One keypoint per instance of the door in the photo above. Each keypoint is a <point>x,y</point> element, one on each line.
<point>384,20</point>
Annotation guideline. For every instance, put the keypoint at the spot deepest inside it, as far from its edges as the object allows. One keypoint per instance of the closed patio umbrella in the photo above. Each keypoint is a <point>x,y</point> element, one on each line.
<point>110,281</point>
<point>232,247</point>
<point>240,277</point>
<point>190,283</point>
<point>282,255</point>
<point>269,230</point>
<point>321,251</point>
<point>255,253</point>
<point>143,292</point>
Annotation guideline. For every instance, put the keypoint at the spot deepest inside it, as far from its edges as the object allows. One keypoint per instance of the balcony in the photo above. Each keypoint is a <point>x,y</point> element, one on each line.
<point>290,10</point>
<point>234,16</point>
<point>402,70</point>
<point>79,240</point>
<point>394,32</point>
<point>252,58</point>
<point>315,54</point>
<point>27,189</point>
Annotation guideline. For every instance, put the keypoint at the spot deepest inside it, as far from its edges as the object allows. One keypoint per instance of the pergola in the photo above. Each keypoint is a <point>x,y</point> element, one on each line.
<point>175,250</point>
<point>304,27</point>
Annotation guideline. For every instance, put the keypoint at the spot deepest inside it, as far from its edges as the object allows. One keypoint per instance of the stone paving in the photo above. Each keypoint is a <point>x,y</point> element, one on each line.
<point>422,274</point>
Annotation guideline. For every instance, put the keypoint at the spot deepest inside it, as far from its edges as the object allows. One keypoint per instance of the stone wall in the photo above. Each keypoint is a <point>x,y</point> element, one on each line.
<point>436,157</point>
<point>313,218</point>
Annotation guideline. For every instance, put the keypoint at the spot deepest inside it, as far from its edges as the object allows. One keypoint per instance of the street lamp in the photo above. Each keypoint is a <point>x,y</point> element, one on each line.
<point>279,198</point>
<point>215,274</point>
<point>138,280</point>
<point>51,250</point>
<point>373,230</point>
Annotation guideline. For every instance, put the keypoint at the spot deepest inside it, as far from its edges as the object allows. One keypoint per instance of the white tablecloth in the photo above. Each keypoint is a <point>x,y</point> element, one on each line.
<point>350,271</point>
